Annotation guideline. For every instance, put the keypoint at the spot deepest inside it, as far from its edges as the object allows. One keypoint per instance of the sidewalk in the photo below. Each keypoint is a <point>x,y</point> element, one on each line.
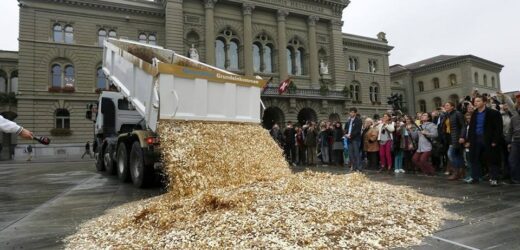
<point>73,158</point>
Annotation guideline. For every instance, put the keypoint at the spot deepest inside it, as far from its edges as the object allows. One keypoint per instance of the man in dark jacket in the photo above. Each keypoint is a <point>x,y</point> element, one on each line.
<point>289,135</point>
<point>353,130</point>
<point>453,132</point>
<point>485,131</point>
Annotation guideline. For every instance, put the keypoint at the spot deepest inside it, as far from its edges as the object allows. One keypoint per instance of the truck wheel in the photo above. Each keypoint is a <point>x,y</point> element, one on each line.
<point>108,160</point>
<point>141,175</point>
<point>100,165</point>
<point>122,163</point>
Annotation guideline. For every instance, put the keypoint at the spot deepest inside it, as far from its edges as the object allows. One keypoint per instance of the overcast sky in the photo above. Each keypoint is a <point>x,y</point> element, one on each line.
<point>417,29</point>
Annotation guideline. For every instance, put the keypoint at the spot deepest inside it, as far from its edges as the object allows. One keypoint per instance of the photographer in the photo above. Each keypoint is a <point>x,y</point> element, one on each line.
<point>453,132</point>
<point>426,132</point>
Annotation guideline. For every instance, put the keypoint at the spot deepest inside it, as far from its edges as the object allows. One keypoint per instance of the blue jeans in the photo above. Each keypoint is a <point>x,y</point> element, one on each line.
<point>455,156</point>
<point>398,159</point>
<point>354,155</point>
<point>514,161</point>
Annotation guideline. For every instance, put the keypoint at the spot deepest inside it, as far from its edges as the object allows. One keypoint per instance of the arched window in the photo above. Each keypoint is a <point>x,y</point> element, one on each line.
<point>256,57</point>
<point>62,117</point>
<point>142,38</point>
<point>14,82</point>
<point>437,102</point>
<point>56,75</point>
<point>436,83</point>
<point>69,78</point>
<point>57,33</point>
<point>233,55</point>
<point>297,57</point>
<point>493,82</point>
<point>289,61</point>
<point>485,79</point>
<point>421,86</point>
<point>226,50</point>
<point>3,82</point>
<point>262,54</point>
<point>220,52</point>
<point>102,36</point>
<point>101,82</point>
<point>152,39</point>
<point>355,93</point>
<point>453,79</point>
<point>69,34</point>
<point>374,93</point>
<point>422,106</point>
<point>475,77</point>
<point>112,34</point>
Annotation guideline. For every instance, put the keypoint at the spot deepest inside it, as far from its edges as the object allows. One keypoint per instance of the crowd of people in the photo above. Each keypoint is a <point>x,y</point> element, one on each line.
<point>475,140</point>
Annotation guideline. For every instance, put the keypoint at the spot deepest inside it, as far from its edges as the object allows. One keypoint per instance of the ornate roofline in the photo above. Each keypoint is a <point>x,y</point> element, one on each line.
<point>146,8</point>
<point>450,63</point>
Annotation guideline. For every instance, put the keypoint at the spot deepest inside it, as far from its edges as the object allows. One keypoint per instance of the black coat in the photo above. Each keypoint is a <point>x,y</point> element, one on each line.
<point>457,128</point>
<point>356,129</point>
<point>493,131</point>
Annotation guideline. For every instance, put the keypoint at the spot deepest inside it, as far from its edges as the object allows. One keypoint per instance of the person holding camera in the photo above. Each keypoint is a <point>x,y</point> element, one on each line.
<point>424,135</point>
<point>385,138</point>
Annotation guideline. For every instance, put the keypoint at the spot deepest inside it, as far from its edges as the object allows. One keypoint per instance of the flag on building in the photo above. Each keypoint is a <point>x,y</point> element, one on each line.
<point>284,86</point>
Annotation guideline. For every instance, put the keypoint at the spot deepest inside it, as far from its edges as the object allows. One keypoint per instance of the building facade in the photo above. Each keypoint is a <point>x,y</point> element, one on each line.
<point>8,90</point>
<point>60,57</point>
<point>427,84</point>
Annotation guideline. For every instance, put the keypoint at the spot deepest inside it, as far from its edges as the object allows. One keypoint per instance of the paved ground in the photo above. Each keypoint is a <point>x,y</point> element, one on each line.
<point>43,202</point>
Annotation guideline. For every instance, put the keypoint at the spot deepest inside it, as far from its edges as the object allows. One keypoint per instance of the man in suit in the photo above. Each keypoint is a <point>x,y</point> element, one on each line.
<point>353,130</point>
<point>485,131</point>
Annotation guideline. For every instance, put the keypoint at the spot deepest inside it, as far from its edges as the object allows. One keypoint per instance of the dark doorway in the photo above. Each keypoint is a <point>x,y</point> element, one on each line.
<point>307,114</point>
<point>271,116</point>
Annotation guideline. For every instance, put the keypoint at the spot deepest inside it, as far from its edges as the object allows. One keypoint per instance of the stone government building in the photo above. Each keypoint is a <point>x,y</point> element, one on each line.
<point>60,55</point>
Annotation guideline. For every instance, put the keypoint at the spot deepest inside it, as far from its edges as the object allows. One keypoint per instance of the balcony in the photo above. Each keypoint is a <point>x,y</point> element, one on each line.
<point>306,94</point>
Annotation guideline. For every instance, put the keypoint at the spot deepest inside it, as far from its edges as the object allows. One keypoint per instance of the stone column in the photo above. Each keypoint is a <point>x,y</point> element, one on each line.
<point>314,69</point>
<point>247,9</point>
<point>282,44</point>
<point>338,62</point>
<point>209,36</point>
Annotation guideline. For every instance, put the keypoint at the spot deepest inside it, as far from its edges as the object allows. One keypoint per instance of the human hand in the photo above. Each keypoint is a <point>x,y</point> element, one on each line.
<point>509,148</point>
<point>493,144</point>
<point>26,134</point>
<point>461,140</point>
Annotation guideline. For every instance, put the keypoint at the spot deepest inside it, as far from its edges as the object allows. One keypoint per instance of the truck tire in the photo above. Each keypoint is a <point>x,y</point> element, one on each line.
<point>123,172</point>
<point>140,173</point>
<point>100,165</point>
<point>108,160</point>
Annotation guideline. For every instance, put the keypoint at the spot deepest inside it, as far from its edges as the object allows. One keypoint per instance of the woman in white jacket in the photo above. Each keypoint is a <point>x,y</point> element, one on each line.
<point>385,138</point>
<point>7,126</point>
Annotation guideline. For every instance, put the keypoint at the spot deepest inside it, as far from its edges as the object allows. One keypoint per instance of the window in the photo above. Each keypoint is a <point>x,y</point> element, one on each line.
<point>152,39</point>
<point>14,82</point>
<point>142,38</point>
<point>101,82</point>
<point>485,80</point>
<point>102,36</point>
<point>355,94</point>
<point>57,31</point>
<point>69,34</point>
<point>372,65</point>
<point>453,79</point>
<point>62,117</point>
<point>475,77</point>
<point>353,63</point>
<point>374,93</point>
<point>63,76</point>
<point>262,54</point>
<point>493,82</point>
<point>295,57</point>
<point>421,86</point>
<point>3,83</point>
<point>112,34</point>
<point>436,83</point>
<point>437,102</point>
<point>226,50</point>
<point>422,106</point>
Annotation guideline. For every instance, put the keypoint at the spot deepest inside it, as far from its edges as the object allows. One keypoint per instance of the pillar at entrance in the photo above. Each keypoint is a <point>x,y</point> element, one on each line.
<point>247,9</point>
<point>209,36</point>
<point>282,43</point>
<point>313,51</point>
<point>339,64</point>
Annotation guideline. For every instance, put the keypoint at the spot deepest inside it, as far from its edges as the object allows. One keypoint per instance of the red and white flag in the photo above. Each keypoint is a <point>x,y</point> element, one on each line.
<point>284,86</point>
